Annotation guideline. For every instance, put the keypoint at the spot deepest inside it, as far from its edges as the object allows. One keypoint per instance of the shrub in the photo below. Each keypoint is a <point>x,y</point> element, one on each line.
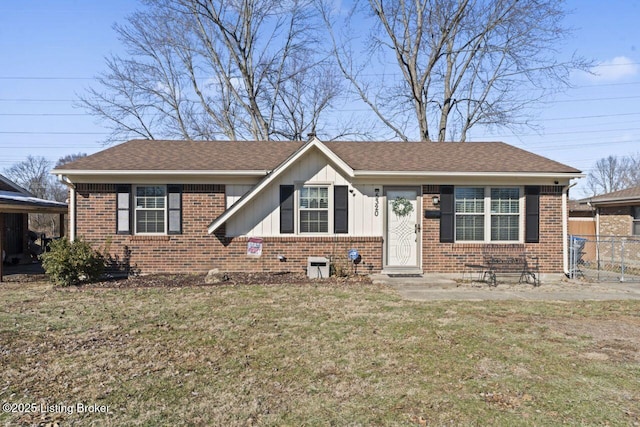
<point>69,263</point>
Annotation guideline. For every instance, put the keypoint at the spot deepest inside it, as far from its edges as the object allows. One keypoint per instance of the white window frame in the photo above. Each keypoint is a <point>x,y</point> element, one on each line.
<point>299,208</point>
<point>635,220</point>
<point>136,209</point>
<point>487,214</point>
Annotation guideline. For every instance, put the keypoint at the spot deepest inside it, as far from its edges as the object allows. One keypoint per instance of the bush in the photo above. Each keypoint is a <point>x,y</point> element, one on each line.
<point>69,263</point>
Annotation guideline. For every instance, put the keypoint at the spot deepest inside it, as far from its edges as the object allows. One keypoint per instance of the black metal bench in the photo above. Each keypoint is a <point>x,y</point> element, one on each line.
<point>496,263</point>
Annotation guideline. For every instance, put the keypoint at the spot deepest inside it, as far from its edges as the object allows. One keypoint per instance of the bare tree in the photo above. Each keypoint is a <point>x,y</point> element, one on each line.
<point>69,158</point>
<point>609,174</point>
<point>437,68</point>
<point>614,173</point>
<point>33,175</point>
<point>205,69</point>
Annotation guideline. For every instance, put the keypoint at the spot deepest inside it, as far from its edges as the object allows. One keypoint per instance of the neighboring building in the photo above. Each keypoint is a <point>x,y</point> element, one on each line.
<point>15,205</point>
<point>187,206</point>
<point>582,220</point>
<point>617,213</point>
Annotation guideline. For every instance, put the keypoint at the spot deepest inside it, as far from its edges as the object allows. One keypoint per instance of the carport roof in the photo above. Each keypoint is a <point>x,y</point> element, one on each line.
<point>11,201</point>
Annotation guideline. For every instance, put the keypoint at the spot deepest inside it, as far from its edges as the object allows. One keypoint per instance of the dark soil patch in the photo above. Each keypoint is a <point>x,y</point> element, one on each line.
<point>233,279</point>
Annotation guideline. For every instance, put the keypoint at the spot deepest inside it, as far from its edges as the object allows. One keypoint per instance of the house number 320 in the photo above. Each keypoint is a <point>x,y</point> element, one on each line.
<point>376,206</point>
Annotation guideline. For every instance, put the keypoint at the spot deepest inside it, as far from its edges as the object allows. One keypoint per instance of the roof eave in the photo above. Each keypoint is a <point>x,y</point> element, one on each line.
<point>93,172</point>
<point>615,201</point>
<point>377,173</point>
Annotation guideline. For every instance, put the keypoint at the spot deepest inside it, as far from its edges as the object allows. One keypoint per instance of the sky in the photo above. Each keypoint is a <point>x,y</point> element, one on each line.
<point>52,50</point>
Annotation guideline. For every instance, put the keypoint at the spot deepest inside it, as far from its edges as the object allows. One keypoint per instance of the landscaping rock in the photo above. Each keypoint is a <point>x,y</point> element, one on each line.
<point>215,276</point>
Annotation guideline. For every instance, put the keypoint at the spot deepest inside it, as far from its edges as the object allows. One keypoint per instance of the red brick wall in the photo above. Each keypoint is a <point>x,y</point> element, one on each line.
<point>195,251</point>
<point>451,257</point>
<point>297,249</point>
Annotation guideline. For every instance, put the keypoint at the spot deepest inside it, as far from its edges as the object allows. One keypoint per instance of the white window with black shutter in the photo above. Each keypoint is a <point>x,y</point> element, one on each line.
<point>149,209</point>
<point>488,214</point>
<point>314,209</point>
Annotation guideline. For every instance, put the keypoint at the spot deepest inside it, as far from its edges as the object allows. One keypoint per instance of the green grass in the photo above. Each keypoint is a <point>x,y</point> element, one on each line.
<point>314,355</point>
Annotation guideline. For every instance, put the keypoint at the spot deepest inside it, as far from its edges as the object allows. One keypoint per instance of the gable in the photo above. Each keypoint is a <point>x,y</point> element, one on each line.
<point>261,217</point>
<point>313,144</point>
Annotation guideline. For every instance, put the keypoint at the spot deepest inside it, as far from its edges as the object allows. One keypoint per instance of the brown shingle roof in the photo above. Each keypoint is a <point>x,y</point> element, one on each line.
<point>628,194</point>
<point>443,157</point>
<point>266,155</point>
<point>158,155</point>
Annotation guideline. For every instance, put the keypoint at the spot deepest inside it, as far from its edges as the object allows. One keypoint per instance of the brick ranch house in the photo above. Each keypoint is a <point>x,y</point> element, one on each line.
<point>187,206</point>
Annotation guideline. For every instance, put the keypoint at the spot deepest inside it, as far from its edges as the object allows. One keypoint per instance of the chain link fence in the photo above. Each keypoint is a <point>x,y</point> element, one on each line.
<point>604,258</point>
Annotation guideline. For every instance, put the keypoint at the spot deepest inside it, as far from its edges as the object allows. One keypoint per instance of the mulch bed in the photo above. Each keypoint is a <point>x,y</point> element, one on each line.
<point>233,279</point>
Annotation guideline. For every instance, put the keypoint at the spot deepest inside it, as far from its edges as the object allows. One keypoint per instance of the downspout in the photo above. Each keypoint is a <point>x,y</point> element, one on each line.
<point>72,206</point>
<point>565,229</point>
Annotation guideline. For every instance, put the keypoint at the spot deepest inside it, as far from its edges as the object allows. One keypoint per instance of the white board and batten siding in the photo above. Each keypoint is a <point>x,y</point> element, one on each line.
<point>262,216</point>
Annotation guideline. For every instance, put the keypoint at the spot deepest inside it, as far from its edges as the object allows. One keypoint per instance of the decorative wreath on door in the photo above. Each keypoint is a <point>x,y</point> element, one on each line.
<point>401,206</point>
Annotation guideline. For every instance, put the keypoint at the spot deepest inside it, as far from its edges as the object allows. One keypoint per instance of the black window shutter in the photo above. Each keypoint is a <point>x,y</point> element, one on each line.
<point>447,214</point>
<point>123,209</point>
<point>286,209</point>
<point>532,214</point>
<point>174,208</point>
<point>340,209</point>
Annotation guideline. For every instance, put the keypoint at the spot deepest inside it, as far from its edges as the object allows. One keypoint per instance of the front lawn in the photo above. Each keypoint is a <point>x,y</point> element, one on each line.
<point>304,354</point>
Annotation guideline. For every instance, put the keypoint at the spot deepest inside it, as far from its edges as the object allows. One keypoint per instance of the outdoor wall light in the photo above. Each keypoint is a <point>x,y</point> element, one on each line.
<point>436,200</point>
<point>282,258</point>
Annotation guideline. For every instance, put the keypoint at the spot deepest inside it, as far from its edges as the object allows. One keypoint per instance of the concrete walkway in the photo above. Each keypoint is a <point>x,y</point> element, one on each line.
<point>434,287</point>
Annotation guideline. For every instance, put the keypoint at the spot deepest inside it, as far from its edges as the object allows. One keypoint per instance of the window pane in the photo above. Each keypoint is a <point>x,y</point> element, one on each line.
<point>505,227</point>
<point>505,209</point>
<point>470,227</point>
<point>150,197</point>
<point>314,221</point>
<point>469,213</point>
<point>314,198</point>
<point>150,221</point>
<point>505,200</point>
<point>469,200</point>
<point>636,212</point>
<point>150,191</point>
<point>323,195</point>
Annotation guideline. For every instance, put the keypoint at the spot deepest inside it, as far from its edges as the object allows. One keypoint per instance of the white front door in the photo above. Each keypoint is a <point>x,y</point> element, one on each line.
<point>403,229</point>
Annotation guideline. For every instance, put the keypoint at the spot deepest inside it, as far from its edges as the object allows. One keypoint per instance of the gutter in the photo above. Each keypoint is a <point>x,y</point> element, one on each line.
<point>162,172</point>
<point>439,174</point>
<point>565,229</point>
<point>72,205</point>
